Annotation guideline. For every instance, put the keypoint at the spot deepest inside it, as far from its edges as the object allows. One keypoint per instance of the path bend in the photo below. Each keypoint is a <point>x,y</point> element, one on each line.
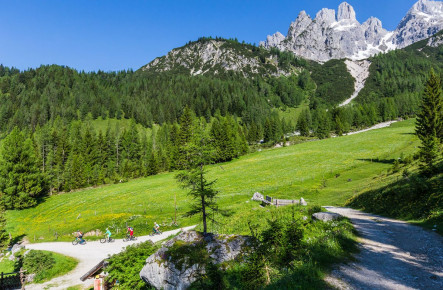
<point>88,256</point>
<point>393,255</point>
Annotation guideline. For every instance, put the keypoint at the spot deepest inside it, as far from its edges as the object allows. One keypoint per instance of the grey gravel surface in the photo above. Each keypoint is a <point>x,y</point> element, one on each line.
<point>393,255</point>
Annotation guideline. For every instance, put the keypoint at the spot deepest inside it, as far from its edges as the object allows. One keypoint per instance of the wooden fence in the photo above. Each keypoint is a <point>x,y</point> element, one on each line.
<point>283,202</point>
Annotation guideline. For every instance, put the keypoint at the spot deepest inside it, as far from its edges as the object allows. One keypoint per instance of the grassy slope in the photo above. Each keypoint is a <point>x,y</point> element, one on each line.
<point>306,170</point>
<point>6,266</point>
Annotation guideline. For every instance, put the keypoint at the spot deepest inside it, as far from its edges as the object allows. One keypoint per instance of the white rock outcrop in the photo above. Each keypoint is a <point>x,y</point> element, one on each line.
<point>162,273</point>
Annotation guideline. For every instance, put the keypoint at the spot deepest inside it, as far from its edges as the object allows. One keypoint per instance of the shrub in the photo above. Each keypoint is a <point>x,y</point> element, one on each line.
<point>125,266</point>
<point>38,262</point>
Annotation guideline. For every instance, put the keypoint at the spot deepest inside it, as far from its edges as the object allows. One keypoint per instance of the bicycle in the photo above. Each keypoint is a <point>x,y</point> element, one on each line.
<point>79,241</point>
<point>106,239</point>
<point>155,232</point>
<point>129,238</point>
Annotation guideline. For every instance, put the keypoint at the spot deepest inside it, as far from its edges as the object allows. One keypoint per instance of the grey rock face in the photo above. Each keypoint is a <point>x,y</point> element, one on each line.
<point>202,57</point>
<point>326,216</point>
<point>435,41</point>
<point>162,273</point>
<point>345,11</point>
<point>423,20</point>
<point>331,36</point>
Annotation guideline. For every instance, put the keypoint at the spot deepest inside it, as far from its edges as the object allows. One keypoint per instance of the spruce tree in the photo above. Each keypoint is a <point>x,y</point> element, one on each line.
<point>21,181</point>
<point>429,123</point>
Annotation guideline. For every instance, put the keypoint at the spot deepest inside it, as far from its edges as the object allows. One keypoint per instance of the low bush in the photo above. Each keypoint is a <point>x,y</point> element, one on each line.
<point>45,265</point>
<point>125,266</point>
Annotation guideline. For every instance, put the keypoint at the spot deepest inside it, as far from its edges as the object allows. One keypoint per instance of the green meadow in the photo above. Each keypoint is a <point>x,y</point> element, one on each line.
<point>326,172</point>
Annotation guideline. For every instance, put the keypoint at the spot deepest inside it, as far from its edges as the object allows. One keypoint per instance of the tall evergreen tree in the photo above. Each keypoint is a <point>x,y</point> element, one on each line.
<point>21,181</point>
<point>202,191</point>
<point>429,122</point>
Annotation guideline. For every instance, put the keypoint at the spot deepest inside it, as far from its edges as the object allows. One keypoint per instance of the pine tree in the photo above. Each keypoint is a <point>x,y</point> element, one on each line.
<point>184,137</point>
<point>429,123</point>
<point>304,123</point>
<point>202,191</point>
<point>21,181</point>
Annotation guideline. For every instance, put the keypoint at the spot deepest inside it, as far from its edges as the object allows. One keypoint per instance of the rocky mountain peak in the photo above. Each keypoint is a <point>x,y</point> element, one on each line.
<point>325,16</point>
<point>423,20</point>
<point>346,12</point>
<point>332,36</point>
<point>427,6</point>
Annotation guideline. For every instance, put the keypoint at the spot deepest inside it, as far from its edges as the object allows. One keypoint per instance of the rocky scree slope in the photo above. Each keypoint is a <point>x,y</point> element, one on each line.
<point>332,35</point>
<point>218,57</point>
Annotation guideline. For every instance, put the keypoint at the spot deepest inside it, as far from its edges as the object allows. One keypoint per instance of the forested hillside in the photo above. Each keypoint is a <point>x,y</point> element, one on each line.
<point>54,109</point>
<point>398,77</point>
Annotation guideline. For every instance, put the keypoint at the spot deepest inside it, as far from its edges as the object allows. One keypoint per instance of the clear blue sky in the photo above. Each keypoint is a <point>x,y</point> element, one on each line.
<point>114,35</point>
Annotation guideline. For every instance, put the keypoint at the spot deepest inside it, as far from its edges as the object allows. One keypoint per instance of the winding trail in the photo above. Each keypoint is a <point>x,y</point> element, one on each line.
<point>393,255</point>
<point>88,256</point>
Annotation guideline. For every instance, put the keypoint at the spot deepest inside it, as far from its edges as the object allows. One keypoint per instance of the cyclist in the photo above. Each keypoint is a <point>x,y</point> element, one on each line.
<point>80,236</point>
<point>156,228</point>
<point>108,233</point>
<point>131,232</point>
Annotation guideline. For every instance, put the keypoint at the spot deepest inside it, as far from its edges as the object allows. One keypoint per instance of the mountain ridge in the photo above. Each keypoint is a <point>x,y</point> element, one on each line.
<point>332,35</point>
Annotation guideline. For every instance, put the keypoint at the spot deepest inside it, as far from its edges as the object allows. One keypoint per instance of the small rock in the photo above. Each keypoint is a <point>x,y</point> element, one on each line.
<point>30,278</point>
<point>258,197</point>
<point>305,218</point>
<point>326,216</point>
<point>303,202</point>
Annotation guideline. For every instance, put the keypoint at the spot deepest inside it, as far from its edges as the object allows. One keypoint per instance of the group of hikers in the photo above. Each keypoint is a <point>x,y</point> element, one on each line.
<point>129,231</point>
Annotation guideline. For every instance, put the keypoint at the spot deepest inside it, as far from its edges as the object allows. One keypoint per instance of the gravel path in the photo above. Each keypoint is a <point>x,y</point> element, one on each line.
<point>88,256</point>
<point>393,255</point>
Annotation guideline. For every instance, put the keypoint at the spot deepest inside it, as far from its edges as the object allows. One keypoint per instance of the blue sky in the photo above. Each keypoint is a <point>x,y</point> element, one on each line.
<point>113,35</point>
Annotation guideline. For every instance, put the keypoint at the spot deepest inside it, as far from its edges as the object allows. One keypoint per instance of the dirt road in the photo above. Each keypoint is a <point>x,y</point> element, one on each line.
<point>88,256</point>
<point>393,255</point>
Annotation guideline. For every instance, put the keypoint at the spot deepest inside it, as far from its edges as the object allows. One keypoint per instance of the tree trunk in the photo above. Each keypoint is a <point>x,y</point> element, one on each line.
<point>205,230</point>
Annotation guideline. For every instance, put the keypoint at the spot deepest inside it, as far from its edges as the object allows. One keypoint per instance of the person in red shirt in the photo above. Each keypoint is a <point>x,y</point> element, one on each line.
<point>131,232</point>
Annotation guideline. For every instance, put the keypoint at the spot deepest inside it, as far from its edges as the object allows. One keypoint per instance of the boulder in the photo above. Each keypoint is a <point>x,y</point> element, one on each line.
<point>15,248</point>
<point>258,197</point>
<point>326,216</point>
<point>162,271</point>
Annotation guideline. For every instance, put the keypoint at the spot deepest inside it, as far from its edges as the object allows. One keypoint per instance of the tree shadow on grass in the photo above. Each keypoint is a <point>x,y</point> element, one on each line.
<point>378,160</point>
<point>15,240</point>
